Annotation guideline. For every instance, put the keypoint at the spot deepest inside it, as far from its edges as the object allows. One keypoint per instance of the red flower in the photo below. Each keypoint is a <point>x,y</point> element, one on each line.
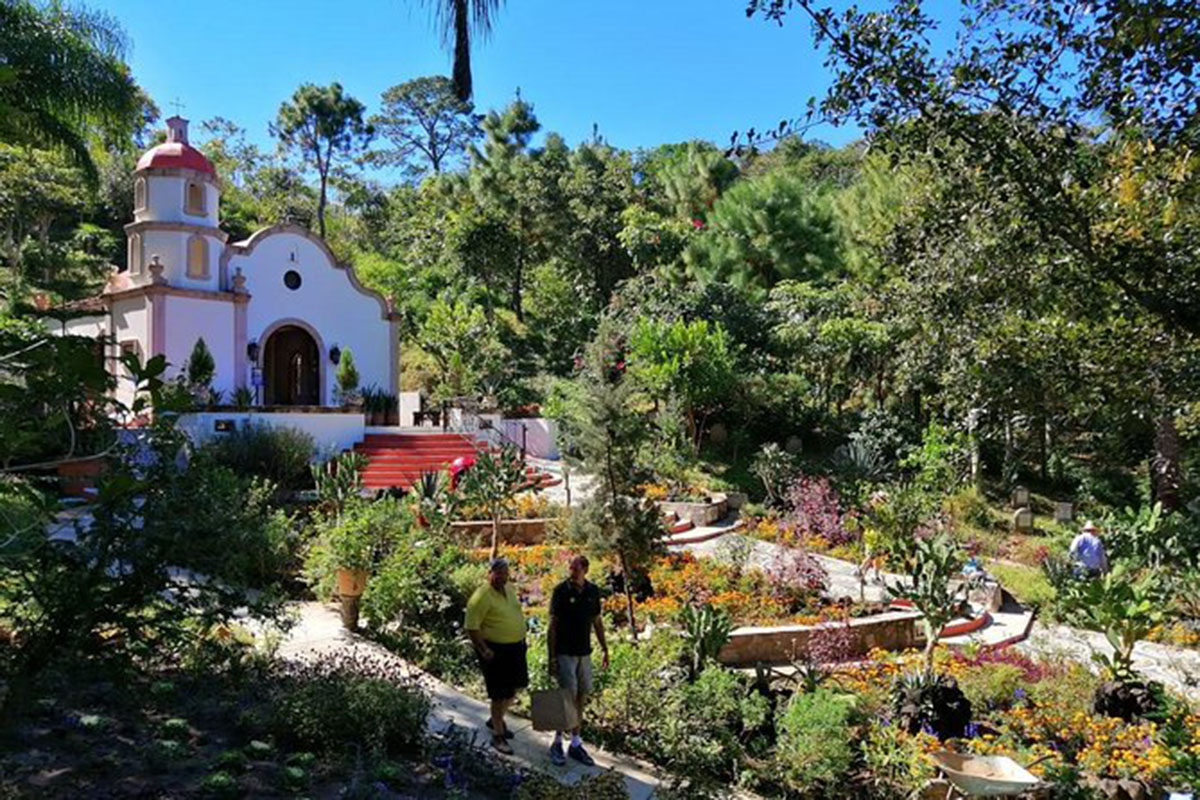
<point>698,224</point>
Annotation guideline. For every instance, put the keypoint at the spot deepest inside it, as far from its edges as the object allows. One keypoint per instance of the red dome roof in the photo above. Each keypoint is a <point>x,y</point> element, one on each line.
<point>175,155</point>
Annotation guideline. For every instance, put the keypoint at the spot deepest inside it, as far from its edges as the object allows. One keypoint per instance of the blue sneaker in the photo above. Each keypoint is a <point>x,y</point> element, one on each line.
<point>556,755</point>
<point>579,754</point>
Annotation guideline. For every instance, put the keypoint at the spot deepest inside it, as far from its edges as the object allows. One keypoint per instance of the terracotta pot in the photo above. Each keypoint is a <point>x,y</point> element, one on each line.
<point>351,582</point>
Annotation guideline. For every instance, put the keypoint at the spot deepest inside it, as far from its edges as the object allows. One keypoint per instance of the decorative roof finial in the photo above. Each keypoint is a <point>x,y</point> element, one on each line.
<point>156,271</point>
<point>177,129</point>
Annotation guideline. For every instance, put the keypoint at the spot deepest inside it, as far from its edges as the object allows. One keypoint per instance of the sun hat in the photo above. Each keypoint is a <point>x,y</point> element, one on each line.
<point>1089,527</point>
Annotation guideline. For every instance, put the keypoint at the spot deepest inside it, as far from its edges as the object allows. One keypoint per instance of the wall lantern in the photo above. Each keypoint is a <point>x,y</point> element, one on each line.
<point>252,352</point>
<point>335,354</point>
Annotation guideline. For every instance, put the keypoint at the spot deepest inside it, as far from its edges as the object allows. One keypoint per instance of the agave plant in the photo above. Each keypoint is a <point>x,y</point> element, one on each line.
<point>926,701</point>
<point>432,504</point>
<point>706,630</point>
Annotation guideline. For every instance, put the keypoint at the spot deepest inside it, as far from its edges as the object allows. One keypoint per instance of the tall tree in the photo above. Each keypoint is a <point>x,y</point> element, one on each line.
<point>506,184</point>
<point>427,125</point>
<point>62,79</point>
<point>764,230</point>
<point>610,431</point>
<point>460,20</point>
<point>1078,121</point>
<point>323,125</point>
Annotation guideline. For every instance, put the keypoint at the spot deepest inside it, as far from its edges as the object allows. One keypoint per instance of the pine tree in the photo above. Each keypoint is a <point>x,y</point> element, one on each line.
<point>200,367</point>
<point>610,431</point>
<point>347,374</point>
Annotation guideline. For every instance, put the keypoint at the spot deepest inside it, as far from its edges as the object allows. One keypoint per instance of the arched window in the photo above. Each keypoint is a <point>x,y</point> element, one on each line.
<point>139,194</point>
<point>195,198</point>
<point>135,254</point>
<point>197,257</point>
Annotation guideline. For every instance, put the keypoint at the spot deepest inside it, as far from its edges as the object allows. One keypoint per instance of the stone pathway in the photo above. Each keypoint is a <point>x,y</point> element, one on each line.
<point>319,631</point>
<point>843,582</point>
<point>1175,667</point>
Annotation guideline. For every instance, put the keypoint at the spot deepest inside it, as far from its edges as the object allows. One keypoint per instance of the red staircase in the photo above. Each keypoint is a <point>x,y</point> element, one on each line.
<point>399,459</point>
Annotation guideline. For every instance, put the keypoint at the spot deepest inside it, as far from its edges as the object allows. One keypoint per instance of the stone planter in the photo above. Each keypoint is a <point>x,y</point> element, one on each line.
<point>781,644</point>
<point>512,531</point>
<point>736,500</point>
<point>700,514</point>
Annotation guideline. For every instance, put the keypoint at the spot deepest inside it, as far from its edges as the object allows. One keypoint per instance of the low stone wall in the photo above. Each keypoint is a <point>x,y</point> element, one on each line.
<point>512,531</point>
<point>891,630</point>
<point>699,513</point>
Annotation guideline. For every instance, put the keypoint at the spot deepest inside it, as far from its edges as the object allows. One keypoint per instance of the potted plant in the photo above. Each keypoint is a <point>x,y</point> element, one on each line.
<point>391,410</point>
<point>351,547</point>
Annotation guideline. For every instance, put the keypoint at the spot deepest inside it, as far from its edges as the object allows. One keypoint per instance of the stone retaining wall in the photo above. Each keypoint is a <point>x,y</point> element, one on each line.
<point>512,531</point>
<point>891,630</point>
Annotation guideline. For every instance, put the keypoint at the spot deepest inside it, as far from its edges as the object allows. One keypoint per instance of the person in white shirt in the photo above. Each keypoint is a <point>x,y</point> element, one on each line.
<point>1087,551</point>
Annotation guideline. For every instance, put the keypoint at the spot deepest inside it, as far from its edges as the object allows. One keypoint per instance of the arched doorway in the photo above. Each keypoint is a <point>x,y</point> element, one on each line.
<point>291,370</point>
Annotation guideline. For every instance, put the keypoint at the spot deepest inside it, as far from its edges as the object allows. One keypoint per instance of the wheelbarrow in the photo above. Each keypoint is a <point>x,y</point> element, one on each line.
<point>985,776</point>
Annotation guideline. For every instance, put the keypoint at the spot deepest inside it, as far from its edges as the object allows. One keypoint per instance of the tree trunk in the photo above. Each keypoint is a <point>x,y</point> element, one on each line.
<point>628,576</point>
<point>976,454</point>
<point>462,50</point>
<point>1164,466</point>
<point>321,207</point>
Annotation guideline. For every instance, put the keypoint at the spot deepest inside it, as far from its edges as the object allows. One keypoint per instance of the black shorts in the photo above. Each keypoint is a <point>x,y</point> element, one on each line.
<point>506,672</point>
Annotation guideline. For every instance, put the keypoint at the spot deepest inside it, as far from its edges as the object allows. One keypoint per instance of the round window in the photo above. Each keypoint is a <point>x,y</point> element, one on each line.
<point>291,279</point>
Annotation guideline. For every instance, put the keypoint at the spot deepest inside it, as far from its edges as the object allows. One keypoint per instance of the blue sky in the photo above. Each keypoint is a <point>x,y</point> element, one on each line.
<point>645,71</point>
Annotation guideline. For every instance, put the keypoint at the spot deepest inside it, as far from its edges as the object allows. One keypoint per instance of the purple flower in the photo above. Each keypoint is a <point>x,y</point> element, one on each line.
<point>1019,693</point>
<point>972,730</point>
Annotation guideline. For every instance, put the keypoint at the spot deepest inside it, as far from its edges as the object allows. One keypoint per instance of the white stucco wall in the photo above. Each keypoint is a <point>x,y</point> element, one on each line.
<point>90,327</point>
<point>326,301</point>
<point>131,322</point>
<point>190,318</point>
<point>171,248</point>
<point>540,435</point>
<point>410,403</point>
<point>165,201</point>
<point>332,432</point>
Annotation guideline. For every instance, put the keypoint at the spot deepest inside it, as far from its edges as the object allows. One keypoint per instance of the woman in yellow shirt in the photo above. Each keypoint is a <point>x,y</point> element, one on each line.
<point>496,626</point>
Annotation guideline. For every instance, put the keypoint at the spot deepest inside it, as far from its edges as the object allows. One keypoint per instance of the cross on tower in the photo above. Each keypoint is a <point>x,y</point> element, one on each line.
<point>178,106</point>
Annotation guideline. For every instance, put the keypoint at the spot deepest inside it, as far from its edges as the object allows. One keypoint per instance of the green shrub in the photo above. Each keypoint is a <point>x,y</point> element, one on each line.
<point>896,765</point>
<point>630,692</point>
<point>280,455</point>
<point>338,703</point>
<point>220,785</point>
<point>1028,584</point>
<point>701,726</point>
<point>413,597</point>
<point>605,786</point>
<point>991,686</point>
<point>814,746</point>
<point>1069,691</point>
<point>969,506</point>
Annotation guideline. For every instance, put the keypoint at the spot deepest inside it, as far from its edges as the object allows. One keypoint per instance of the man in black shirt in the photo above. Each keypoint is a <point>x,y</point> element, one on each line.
<point>574,613</point>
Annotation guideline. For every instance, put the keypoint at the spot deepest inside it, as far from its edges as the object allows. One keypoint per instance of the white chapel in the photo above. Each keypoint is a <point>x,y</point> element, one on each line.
<point>275,310</point>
